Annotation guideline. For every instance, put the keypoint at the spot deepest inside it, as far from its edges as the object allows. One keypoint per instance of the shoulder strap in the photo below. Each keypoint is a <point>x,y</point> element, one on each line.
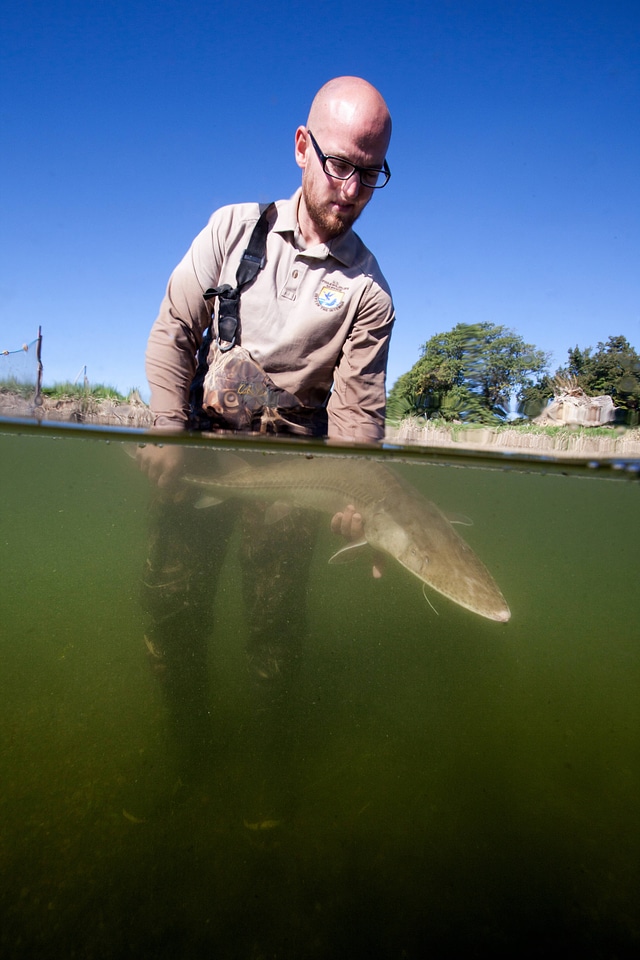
<point>253,259</point>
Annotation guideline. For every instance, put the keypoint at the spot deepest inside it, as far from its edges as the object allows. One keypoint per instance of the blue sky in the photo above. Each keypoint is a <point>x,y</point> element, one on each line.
<point>515,195</point>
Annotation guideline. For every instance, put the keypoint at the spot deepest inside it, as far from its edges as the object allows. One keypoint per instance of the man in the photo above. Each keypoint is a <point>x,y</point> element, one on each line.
<point>320,312</point>
<point>316,319</point>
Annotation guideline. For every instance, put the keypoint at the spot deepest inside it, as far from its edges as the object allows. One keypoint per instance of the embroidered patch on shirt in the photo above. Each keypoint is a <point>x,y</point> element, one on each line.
<point>330,296</point>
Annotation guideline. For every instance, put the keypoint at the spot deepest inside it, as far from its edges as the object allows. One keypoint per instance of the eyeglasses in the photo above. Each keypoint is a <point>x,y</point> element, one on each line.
<point>372,177</point>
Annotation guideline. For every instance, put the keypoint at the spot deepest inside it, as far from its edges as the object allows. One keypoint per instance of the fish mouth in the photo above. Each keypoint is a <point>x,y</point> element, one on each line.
<point>502,616</point>
<point>495,614</point>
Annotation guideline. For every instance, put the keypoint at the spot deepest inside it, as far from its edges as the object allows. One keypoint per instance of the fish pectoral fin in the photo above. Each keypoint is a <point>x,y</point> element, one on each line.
<point>205,502</point>
<point>277,511</point>
<point>353,551</point>
<point>460,518</point>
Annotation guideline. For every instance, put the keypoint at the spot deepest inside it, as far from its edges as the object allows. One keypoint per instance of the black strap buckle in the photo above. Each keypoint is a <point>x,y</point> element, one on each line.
<point>253,259</point>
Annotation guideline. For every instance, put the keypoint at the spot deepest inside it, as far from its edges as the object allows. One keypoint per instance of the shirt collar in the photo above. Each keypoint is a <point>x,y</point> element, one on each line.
<point>342,248</point>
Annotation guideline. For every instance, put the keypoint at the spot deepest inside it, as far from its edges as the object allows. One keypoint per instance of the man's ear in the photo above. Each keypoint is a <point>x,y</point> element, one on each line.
<point>301,144</point>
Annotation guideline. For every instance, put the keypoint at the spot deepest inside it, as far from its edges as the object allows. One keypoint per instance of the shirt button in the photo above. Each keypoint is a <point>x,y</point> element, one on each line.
<point>295,274</point>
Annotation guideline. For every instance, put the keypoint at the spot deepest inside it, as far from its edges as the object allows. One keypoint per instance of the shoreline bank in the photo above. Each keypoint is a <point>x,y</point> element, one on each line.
<point>564,443</point>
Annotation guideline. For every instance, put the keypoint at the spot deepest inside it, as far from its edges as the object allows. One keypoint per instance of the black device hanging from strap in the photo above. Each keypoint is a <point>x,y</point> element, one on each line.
<point>253,259</point>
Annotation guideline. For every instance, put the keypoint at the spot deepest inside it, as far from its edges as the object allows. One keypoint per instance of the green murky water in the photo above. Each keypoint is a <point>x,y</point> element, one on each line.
<point>454,784</point>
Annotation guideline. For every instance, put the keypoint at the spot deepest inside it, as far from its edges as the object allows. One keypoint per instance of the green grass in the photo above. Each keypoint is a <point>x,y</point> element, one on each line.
<point>74,391</point>
<point>563,436</point>
<point>560,430</point>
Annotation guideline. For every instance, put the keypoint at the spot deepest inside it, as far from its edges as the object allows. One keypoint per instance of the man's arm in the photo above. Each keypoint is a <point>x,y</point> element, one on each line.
<point>184,314</point>
<point>174,340</point>
<point>171,350</point>
<point>357,403</point>
<point>358,400</point>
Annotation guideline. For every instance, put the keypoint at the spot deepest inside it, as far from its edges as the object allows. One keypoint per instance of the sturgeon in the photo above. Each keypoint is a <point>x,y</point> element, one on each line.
<point>397,519</point>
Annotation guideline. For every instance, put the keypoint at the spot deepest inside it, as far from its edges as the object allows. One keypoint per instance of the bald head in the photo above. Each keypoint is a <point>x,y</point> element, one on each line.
<point>349,121</point>
<point>354,104</point>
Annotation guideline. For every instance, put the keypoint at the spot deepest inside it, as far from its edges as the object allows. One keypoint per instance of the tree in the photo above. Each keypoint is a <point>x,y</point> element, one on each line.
<point>468,374</point>
<point>613,369</point>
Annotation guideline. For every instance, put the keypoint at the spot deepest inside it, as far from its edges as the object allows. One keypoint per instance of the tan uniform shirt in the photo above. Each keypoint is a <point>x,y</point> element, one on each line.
<point>318,320</point>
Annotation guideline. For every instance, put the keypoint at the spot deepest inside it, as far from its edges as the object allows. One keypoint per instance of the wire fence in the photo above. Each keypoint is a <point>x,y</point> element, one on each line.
<point>21,370</point>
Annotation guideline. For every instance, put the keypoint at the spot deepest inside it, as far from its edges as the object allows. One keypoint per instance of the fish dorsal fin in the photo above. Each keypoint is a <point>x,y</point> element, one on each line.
<point>353,551</point>
<point>277,511</point>
<point>231,462</point>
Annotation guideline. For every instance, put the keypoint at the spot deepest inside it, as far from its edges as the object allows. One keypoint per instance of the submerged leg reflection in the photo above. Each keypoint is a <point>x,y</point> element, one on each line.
<point>187,552</point>
<point>179,583</point>
<point>275,561</point>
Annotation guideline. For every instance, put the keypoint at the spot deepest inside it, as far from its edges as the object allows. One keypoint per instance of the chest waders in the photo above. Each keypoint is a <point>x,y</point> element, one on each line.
<point>231,390</point>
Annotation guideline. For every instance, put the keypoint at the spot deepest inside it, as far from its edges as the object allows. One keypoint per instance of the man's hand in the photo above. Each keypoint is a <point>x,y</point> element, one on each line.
<point>348,524</point>
<point>162,464</point>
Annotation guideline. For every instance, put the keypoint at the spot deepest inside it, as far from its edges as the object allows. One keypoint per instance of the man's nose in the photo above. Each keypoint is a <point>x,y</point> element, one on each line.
<point>351,187</point>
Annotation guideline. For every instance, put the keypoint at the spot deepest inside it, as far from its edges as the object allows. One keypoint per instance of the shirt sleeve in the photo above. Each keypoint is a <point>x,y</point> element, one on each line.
<point>357,403</point>
<point>178,330</point>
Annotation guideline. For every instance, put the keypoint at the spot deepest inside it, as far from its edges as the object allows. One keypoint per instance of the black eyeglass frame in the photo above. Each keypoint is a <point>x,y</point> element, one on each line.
<point>323,157</point>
